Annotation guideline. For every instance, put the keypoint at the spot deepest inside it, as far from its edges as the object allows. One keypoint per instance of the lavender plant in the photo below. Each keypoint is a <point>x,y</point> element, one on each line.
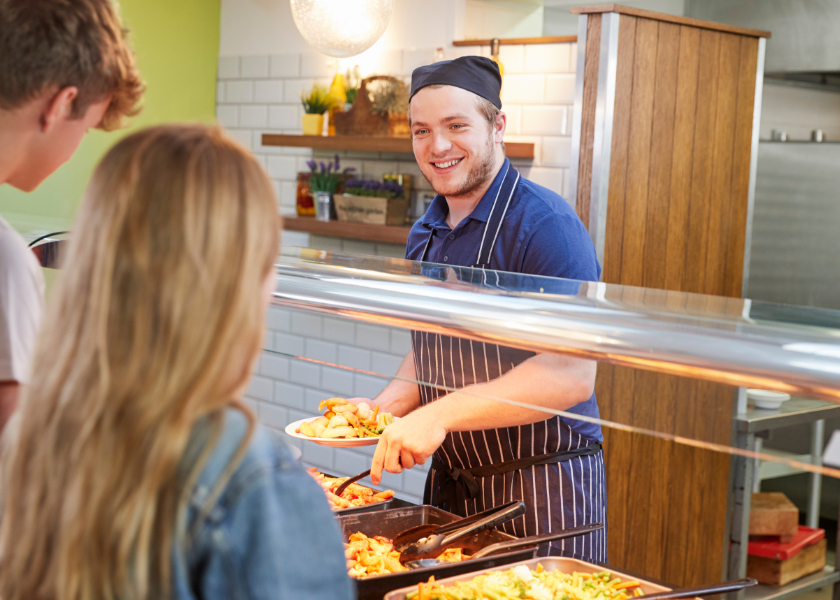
<point>328,177</point>
<point>380,189</point>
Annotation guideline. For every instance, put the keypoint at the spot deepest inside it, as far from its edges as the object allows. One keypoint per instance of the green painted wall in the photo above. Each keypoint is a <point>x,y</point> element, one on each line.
<point>177,46</point>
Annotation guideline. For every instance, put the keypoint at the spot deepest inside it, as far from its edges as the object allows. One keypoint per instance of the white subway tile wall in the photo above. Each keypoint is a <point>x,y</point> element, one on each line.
<point>254,116</point>
<point>348,359</point>
<point>261,94</point>
<point>269,91</point>
<point>253,67</point>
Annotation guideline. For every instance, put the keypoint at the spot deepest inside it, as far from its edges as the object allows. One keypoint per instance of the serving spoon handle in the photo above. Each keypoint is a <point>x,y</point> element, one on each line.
<point>350,480</point>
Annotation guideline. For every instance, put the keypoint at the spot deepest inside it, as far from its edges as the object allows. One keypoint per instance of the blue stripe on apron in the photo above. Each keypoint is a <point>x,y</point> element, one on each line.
<point>558,495</point>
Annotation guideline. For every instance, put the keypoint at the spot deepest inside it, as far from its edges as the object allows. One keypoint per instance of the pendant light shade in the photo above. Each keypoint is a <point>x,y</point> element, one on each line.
<point>342,28</point>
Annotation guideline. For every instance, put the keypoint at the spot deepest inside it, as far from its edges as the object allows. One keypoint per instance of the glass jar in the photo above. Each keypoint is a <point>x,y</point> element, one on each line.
<point>323,205</point>
<point>303,197</point>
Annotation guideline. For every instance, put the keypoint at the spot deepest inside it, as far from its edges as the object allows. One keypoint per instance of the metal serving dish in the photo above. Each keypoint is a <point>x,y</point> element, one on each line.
<point>384,504</point>
<point>389,523</point>
<point>549,563</point>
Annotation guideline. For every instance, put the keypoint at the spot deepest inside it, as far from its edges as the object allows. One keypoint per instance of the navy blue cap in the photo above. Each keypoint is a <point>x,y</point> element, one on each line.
<point>475,74</point>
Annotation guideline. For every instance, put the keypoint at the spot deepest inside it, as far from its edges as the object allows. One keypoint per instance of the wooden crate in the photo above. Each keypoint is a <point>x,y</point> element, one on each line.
<point>372,210</point>
<point>771,513</point>
<point>774,572</point>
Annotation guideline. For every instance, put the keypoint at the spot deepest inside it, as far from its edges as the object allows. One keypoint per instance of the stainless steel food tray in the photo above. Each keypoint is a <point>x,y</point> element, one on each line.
<point>389,523</point>
<point>549,563</point>
<point>384,504</point>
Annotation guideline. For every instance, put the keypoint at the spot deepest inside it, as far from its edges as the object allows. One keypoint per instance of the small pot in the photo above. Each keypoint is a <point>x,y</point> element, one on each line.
<point>313,124</point>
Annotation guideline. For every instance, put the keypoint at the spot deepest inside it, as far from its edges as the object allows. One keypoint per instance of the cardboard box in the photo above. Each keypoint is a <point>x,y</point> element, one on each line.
<point>369,209</point>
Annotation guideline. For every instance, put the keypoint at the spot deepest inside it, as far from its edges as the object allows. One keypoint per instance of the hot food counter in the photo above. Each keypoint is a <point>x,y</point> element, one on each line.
<point>661,338</point>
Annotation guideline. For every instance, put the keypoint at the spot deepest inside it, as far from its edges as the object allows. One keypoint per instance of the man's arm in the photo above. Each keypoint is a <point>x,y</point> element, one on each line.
<point>9,391</point>
<point>546,380</point>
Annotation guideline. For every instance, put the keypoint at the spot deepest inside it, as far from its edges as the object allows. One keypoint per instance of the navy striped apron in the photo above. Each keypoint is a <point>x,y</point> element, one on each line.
<point>560,478</point>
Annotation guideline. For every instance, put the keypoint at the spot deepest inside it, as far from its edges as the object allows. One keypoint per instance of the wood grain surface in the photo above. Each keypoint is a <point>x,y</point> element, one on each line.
<point>780,572</point>
<point>676,220</point>
<point>657,16</point>
<point>371,144</point>
<point>345,229</point>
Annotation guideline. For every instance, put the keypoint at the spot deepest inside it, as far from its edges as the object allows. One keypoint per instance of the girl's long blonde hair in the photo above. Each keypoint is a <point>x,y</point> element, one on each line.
<point>155,323</point>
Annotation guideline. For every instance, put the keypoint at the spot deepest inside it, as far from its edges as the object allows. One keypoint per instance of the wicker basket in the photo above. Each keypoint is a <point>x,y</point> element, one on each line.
<point>361,120</point>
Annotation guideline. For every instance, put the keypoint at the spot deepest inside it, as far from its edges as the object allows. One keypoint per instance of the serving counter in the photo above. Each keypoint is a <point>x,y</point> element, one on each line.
<point>687,336</point>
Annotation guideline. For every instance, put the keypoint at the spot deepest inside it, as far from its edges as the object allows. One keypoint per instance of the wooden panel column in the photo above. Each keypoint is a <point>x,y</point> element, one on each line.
<point>671,186</point>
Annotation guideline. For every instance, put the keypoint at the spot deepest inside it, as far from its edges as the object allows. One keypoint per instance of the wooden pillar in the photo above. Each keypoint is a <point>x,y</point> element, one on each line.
<point>664,144</point>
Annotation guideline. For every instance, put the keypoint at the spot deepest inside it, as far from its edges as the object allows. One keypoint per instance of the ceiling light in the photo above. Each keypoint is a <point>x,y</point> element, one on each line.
<point>341,28</point>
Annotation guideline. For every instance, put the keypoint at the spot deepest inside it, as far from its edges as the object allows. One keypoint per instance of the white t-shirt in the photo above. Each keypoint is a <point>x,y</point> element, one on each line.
<point>21,304</point>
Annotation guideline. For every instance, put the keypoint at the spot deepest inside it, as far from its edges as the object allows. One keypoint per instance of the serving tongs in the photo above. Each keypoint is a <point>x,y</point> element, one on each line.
<point>420,531</point>
<point>418,543</point>
<point>511,544</point>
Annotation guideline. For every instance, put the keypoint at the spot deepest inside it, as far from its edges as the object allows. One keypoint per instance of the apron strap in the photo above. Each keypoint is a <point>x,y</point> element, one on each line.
<point>494,221</point>
<point>457,484</point>
<point>426,247</point>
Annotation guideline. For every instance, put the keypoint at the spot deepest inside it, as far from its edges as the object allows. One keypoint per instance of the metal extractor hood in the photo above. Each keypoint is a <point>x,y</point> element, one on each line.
<point>806,34</point>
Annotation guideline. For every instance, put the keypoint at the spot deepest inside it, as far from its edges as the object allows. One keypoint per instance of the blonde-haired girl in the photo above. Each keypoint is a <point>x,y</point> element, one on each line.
<point>133,469</point>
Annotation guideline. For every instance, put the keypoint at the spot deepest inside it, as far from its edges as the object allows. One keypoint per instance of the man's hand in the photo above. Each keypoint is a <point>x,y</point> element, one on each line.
<point>407,442</point>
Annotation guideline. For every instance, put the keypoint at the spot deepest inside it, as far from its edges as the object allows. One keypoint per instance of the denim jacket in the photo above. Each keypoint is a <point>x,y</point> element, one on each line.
<point>269,534</point>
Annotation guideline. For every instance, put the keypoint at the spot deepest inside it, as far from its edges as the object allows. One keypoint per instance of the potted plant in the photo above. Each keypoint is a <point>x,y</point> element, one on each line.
<point>379,109</point>
<point>324,182</point>
<point>389,97</point>
<point>352,82</point>
<point>315,104</point>
<point>378,189</point>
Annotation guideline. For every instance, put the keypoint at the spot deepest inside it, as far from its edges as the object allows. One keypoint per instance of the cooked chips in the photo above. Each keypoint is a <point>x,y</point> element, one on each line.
<point>354,495</point>
<point>345,420</point>
<point>376,556</point>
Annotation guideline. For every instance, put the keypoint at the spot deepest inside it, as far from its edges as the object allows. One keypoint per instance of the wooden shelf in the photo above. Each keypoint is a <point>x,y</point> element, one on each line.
<point>548,39</point>
<point>356,231</point>
<point>371,144</point>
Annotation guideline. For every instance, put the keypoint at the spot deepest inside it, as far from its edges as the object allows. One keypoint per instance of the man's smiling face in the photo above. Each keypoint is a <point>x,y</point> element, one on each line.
<point>454,145</point>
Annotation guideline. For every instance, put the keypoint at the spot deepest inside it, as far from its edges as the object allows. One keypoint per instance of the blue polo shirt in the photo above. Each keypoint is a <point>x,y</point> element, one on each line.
<point>540,235</point>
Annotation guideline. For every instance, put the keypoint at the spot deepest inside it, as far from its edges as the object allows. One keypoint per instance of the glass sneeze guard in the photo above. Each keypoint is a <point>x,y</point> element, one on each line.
<point>727,340</point>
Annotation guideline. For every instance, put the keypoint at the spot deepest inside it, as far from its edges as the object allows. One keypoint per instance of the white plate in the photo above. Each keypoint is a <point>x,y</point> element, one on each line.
<point>368,441</point>
<point>767,399</point>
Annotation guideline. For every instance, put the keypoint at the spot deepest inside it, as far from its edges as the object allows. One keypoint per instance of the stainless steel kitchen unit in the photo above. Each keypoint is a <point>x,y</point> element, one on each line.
<point>795,256</point>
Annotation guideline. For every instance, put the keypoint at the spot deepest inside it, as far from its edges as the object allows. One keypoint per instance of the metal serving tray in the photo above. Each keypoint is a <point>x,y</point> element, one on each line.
<point>384,504</point>
<point>549,563</point>
<point>389,523</point>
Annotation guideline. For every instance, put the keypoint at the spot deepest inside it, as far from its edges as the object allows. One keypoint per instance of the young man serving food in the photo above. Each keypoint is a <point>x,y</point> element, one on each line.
<point>486,215</point>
